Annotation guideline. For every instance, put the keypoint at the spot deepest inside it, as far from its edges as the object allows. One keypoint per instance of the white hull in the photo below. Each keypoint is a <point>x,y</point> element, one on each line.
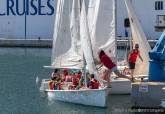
<point>90,97</point>
<point>118,86</point>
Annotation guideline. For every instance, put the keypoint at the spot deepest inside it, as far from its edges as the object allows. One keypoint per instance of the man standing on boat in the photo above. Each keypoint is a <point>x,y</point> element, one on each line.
<point>112,67</point>
<point>132,57</point>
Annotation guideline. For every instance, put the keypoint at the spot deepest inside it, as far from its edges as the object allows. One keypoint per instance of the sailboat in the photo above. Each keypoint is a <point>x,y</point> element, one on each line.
<point>74,44</point>
<point>75,54</point>
<point>139,37</point>
<point>100,38</point>
<point>102,27</point>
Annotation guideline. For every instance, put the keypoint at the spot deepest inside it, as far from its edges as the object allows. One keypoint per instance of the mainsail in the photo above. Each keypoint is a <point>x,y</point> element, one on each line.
<point>67,51</point>
<point>85,40</point>
<point>101,17</point>
<point>86,43</point>
<point>140,38</point>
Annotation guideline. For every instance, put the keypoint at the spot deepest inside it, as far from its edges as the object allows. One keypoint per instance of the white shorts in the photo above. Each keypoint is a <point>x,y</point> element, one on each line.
<point>103,69</point>
<point>114,69</point>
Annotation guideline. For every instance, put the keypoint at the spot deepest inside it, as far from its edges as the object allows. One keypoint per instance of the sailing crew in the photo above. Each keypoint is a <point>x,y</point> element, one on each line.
<point>51,84</point>
<point>55,73</point>
<point>107,62</point>
<point>93,83</point>
<point>55,83</point>
<point>105,76</point>
<point>132,57</point>
<point>58,84</point>
<point>78,75</point>
<point>65,74</point>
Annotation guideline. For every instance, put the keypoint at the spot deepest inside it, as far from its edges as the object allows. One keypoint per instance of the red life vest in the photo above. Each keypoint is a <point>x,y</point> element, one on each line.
<point>51,85</point>
<point>68,78</point>
<point>94,84</point>
<point>133,56</point>
<point>59,86</point>
<point>74,81</point>
<point>107,62</point>
<point>78,76</point>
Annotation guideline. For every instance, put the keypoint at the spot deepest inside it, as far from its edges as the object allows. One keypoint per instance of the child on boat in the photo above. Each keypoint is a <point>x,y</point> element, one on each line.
<point>78,75</point>
<point>75,82</point>
<point>51,84</point>
<point>55,83</point>
<point>107,62</point>
<point>132,57</point>
<point>93,83</point>
<point>105,76</point>
<point>55,73</point>
<point>67,77</point>
<point>58,84</point>
<point>65,73</point>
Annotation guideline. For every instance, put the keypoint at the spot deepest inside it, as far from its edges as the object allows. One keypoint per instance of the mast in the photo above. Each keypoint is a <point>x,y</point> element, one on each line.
<point>130,41</point>
<point>84,62</point>
<point>131,37</point>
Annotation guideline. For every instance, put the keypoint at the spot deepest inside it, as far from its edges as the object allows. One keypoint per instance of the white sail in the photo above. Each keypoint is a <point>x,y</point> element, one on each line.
<point>85,40</point>
<point>101,17</point>
<point>140,38</point>
<point>66,51</point>
<point>75,27</point>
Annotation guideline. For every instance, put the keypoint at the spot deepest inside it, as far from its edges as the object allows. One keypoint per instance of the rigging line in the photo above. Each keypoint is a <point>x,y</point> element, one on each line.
<point>115,21</point>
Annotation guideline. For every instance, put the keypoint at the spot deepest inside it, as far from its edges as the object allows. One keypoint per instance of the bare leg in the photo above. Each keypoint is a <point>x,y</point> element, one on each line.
<point>131,73</point>
<point>105,75</point>
<point>121,75</point>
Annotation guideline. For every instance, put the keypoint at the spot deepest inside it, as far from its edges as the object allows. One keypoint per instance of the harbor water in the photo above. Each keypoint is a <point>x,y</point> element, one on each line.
<point>19,91</point>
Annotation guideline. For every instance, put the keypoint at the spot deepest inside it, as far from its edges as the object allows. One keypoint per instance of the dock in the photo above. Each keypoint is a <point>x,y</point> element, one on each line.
<point>47,43</point>
<point>147,94</point>
<point>34,43</point>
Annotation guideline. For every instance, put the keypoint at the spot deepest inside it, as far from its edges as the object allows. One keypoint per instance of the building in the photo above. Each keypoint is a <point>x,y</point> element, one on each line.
<point>38,21</point>
<point>151,14</point>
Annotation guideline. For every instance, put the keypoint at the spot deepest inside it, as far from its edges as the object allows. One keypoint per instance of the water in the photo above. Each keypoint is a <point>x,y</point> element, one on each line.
<point>19,93</point>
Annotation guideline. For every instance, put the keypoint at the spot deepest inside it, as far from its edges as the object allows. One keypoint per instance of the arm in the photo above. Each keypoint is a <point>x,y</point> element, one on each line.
<point>140,57</point>
<point>129,56</point>
<point>99,66</point>
<point>97,61</point>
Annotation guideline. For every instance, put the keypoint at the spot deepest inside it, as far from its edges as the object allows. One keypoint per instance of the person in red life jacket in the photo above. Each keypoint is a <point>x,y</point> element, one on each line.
<point>132,57</point>
<point>93,83</point>
<point>65,73</point>
<point>105,76</point>
<point>58,84</point>
<point>75,82</point>
<point>107,62</point>
<point>68,78</point>
<point>51,83</point>
<point>55,73</point>
<point>78,75</point>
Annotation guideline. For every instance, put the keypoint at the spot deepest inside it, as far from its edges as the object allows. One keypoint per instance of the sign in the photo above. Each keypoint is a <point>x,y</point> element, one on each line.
<point>143,88</point>
<point>27,7</point>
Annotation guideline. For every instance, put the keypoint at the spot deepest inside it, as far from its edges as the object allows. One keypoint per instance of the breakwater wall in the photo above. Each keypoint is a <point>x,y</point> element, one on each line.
<point>47,43</point>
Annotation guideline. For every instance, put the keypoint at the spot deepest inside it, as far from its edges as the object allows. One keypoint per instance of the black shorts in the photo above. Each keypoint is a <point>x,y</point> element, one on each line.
<point>131,65</point>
